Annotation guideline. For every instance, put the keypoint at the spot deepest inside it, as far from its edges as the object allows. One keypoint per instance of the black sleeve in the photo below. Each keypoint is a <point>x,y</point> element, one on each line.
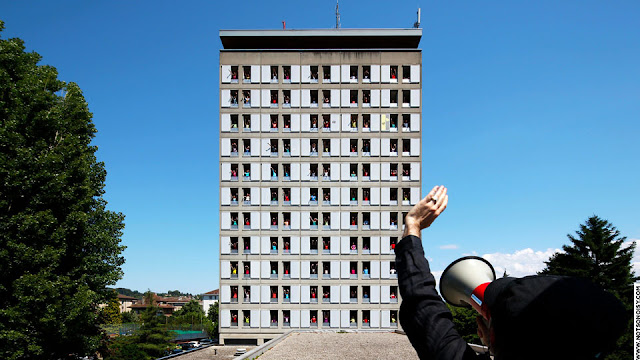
<point>423,315</point>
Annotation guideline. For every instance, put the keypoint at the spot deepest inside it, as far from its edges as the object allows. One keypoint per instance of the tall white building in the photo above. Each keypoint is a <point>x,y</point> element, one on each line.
<point>320,158</point>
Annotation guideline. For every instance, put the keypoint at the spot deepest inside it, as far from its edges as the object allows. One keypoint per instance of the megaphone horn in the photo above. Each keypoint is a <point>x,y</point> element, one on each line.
<point>464,281</point>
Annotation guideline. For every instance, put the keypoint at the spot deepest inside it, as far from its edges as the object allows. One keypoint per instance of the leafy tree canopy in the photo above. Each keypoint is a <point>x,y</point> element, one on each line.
<point>59,246</point>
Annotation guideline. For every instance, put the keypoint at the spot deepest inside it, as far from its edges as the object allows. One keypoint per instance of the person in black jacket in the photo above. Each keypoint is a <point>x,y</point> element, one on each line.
<point>535,317</point>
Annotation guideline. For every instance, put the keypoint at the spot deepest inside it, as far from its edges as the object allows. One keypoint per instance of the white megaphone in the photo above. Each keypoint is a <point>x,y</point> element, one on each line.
<point>464,281</point>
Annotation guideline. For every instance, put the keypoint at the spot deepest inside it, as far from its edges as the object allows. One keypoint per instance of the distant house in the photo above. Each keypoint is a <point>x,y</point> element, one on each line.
<point>126,302</point>
<point>168,305</point>
<point>209,298</point>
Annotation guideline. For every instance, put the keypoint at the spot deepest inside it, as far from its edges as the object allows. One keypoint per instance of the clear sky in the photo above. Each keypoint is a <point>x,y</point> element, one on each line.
<point>531,117</point>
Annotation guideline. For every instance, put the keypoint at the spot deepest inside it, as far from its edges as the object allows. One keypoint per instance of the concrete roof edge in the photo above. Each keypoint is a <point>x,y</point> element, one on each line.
<point>323,32</point>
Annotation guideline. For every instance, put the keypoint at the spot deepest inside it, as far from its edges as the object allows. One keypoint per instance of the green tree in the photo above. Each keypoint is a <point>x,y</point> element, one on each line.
<point>152,337</point>
<point>110,314</point>
<point>129,317</point>
<point>597,253</point>
<point>464,321</point>
<point>211,325</point>
<point>59,246</point>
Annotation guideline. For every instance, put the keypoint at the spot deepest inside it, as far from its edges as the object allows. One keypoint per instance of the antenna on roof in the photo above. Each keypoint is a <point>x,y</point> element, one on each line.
<point>337,16</point>
<point>417,23</point>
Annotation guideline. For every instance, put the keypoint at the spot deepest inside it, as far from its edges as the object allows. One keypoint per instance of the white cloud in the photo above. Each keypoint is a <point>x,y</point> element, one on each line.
<point>521,262</point>
<point>449,247</point>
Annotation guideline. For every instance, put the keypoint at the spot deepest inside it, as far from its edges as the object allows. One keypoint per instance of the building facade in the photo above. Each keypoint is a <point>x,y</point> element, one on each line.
<point>209,299</point>
<point>320,138</point>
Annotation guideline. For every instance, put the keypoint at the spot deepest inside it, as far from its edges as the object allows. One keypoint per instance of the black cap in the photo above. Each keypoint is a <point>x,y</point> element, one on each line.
<point>553,317</point>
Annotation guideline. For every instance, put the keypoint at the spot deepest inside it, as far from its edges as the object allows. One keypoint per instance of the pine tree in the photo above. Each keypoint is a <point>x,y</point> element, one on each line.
<point>152,338</point>
<point>597,253</point>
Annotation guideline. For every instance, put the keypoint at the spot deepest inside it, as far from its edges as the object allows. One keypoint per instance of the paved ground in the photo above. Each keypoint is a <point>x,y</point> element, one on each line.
<point>213,352</point>
<point>334,346</point>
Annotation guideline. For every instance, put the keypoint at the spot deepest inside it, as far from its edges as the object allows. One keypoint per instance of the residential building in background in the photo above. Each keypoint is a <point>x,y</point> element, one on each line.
<point>208,299</point>
<point>320,138</point>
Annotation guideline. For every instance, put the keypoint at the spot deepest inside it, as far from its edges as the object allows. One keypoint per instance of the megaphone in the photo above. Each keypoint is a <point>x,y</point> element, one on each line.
<point>464,281</point>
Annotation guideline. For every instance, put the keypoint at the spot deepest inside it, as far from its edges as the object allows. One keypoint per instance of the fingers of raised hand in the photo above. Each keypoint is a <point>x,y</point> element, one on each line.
<point>442,205</point>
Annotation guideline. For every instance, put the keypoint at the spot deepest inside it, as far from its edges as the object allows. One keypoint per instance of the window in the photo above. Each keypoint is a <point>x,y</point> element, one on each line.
<point>353,196</point>
<point>326,294</point>
<point>353,98</point>
<point>286,98</point>
<point>313,314</point>
<point>326,147</point>
<point>234,123</point>
<point>326,196</point>
<point>366,98</point>
<point>274,147</point>
<point>286,271</point>
<point>286,147</point>
<point>286,120</point>
<point>366,150</point>
<point>234,313</point>
<point>313,123</point>
<point>314,74</point>
<point>353,249</point>
<point>274,98</point>
<point>353,171</point>
<point>274,226</point>
<point>392,270</point>
<point>274,269</point>
<point>234,246</point>
<point>393,196</point>
<point>353,318</point>
<point>274,74</point>
<point>393,317</point>
<point>326,270</point>
<point>366,242</point>
<point>246,78</point>
<point>234,147</point>
<point>393,147</point>
<point>286,74</point>
<point>246,290</point>
<point>353,294</point>
<point>393,172</point>
<point>326,122</point>
<point>366,74</point>
<point>313,200</point>
<point>274,196</point>
<point>326,245</point>
<point>406,122</point>
<point>286,196</point>
<point>353,74</point>
<point>314,98</point>
<point>366,122</point>
<point>246,265</point>
<point>234,269</point>
<point>393,98</point>
<point>234,98</point>
<point>286,313</point>
<point>406,147</point>
<point>313,241</point>
<point>326,74</point>
<point>313,219</point>
<point>406,73</point>
<point>286,246</point>
<point>393,73</point>
<point>326,221</point>
<point>313,147</point>
<point>274,240</point>
<point>366,217</point>
<point>366,196</point>
<point>246,123</point>
<point>286,221</point>
<point>406,98</point>
<point>393,123</point>
<point>234,196</point>
<point>326,98</point>
<point>354,123</point>
<point>313,172</point>
<point>365,270</point>
<point>247,220</point>
<point>286,169</point>
<point>234,74</point>
<point>353,223</point>
<point>273,314</point>
<point>246,245</point>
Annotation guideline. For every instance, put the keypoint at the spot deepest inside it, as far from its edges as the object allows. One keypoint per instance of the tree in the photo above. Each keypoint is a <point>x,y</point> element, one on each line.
<point>152,337</point>
<point>59,246</point>
<point>597,254</point>
<point>211,326</point>
<point>110,314</point>
<point>464,321</point>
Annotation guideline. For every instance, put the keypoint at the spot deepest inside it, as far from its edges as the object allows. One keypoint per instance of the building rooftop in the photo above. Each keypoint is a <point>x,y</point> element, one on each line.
<point>342,345</point>
<point>212,292</point>
<point>321,39</point>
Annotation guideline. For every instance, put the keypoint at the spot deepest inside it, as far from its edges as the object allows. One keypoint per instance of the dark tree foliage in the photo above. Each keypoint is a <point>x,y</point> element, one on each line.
<point>191,313</point>
<point>59,246</point>
<point>464,321</point>
<point>597,253</point>
<point>152,337</point>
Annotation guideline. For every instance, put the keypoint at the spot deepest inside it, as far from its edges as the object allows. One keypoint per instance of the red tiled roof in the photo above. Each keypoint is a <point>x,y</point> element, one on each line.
<point>125,297</point>
<point>212,292</point>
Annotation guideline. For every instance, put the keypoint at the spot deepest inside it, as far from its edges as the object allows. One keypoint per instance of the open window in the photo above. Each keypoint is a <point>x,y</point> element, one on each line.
<point>246,123</point>
<point>286,270</point>
<point>326,172</point>
<point>233,265</point>
<point>313,199</point>
<point>286,196</point>
<point>234,247</point>
<point>393,98</point>
<point>393,221</point>
<point>234,123</point>
<point>393,317</point>
<point>326,147</point>
<point>353,172</point>
<point>366,148</point>
<point>366,244</point>
<point>286,221</point>
<point>393,123</point>
<point>273,144</point>
<point>366,122</point>
<point>393,172</point>
<point>353,225</point>
<point>286,147</point>
<point>274,74</point>
<point>326,74</point>
<point>313,122</point>
<point>406,73</point>
<point>353,147</point>
<point>326,294</point>
<point>274,226</point>
<point>246,269</point>
<point>406,147</point>
<point>366,74</point>
<point>366,98</point>
<point>393,147</point>
<point>366,314</point>
<point>313,244</point>
<point>286,120</point>
<point>314,74</point>
<point>313,94</point>
<point>247,220</point>
<point>326,98</point>
<point>234,147</point>
<point>354,123</point>
<point>366,218</point>
<point>286,98</point>
<point>234,196</point>
<point>353,196</point>
<point>246,172</point>
<point>313,147</point>
<point>273,265</point>
<point>274,98</point>
<point>353,98</point>
<point>313,220</point>
<point>286,172</point>
<point>326,123</point>
<point>366,193</point>
<point>406,196</point>
<point>246,196</point>
<point>326,246</point>
<point>393,73</point>
<point>246,245</point>
<point>246,101</point>
<point>234,98</point>
<point>246,74</point>
<point>326,196</point>
<point>233,172</point>
<point>313,172</point>
<point>286,74</point>
<point>366,265</point>
<point>406,98</point>
<point>274,196</point>
<point>234,74</point>
<point>393,196</point>
<point>406,122</point>
<point>353,74</point>
<point>326,269</point>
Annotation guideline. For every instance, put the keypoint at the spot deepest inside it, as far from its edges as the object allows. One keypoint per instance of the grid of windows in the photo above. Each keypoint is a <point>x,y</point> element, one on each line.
<point>319,164</point>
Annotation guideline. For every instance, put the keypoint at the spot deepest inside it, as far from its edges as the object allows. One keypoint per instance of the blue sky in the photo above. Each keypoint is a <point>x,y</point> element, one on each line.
<point>531,117</point>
